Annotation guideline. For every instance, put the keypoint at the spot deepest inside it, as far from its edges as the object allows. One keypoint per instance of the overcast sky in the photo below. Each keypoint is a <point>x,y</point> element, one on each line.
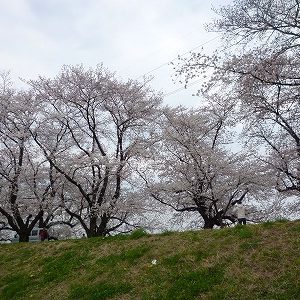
<point>130,37</point>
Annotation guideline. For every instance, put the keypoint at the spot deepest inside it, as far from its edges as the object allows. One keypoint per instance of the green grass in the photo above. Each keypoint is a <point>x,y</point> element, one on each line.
<point>98,291</point>
<point>244,262</point>
<point>130,256</point>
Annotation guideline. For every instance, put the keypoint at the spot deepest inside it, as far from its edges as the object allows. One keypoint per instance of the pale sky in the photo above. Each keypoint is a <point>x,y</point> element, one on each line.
<point>130,37</point>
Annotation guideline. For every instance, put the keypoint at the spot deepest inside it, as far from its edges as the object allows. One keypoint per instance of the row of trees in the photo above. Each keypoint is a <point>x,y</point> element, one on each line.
<point>68,144</point>
<point>258,68</point>
<point>85,149</point>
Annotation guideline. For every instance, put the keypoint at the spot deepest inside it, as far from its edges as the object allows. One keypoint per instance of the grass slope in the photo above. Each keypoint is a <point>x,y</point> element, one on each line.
<point>250,262</point>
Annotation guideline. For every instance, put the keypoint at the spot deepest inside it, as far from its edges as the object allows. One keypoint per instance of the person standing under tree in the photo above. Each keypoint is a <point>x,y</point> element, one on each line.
<point>240,211</point>
<point>44,234</point>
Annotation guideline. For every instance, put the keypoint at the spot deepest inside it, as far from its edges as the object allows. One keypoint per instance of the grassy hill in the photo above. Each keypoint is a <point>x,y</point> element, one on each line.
<point>250,262</point>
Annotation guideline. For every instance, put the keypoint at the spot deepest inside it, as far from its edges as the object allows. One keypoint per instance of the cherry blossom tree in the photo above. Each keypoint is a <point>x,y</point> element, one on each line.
<point>26,180</point>
<point>92,130</point>
<point>259,66</point>
<point>194,170</point>
<point>271,24</point>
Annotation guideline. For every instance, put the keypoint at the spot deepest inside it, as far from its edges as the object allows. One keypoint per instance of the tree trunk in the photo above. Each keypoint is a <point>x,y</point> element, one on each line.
<point>102,229</point>
<point>94,230</point>
<point>208,223</point>
<point>23,237</point>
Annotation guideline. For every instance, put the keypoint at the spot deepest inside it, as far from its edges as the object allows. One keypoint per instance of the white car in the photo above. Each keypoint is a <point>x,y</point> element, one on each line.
<point>33,237</point>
